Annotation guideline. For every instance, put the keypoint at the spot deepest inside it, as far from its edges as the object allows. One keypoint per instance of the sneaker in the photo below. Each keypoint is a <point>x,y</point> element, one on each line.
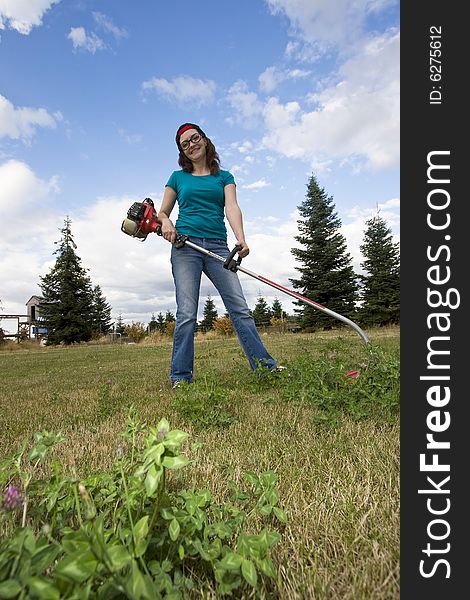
<point>175,384</point>
<point>279,369</point>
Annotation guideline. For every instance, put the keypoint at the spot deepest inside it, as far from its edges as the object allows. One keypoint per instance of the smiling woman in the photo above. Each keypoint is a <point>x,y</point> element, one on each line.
<point>205,195</point>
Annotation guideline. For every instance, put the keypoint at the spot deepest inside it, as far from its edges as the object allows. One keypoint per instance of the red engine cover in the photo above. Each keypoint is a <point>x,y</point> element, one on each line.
<point>149,222</point>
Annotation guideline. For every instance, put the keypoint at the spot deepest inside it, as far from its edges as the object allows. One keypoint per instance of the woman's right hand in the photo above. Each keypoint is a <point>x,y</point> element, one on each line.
<point>168,202</point>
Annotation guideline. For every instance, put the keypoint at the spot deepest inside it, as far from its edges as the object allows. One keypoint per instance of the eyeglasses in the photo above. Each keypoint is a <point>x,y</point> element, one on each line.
<point>194,139</point>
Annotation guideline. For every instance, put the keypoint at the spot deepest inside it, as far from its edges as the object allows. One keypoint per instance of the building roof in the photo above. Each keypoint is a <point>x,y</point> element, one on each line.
<point>34,300</point>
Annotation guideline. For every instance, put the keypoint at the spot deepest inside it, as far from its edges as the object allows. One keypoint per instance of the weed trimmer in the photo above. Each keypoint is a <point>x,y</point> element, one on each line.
<point>142,220</point>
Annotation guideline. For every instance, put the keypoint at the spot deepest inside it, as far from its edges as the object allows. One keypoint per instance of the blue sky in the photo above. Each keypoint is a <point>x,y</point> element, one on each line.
<point>92,92</point>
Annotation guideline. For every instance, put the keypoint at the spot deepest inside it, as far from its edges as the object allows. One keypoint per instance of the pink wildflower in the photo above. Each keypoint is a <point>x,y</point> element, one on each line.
<point>13,498</point>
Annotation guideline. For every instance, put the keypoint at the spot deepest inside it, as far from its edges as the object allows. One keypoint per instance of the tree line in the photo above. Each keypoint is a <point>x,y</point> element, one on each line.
<point>75,310</point>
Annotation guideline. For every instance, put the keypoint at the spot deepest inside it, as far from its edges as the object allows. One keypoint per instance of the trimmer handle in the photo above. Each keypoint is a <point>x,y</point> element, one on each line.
<point>230,263</point>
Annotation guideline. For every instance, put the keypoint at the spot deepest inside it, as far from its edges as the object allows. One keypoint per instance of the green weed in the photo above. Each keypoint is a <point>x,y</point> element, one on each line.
<point>204,403</point>
<point>370,391</point>
<point>125,534</point>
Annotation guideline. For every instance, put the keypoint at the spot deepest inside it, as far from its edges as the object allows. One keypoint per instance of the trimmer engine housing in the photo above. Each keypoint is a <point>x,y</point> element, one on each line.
<point>141,220</point>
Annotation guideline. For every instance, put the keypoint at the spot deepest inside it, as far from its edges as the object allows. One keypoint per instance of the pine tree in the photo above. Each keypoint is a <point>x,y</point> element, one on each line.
<point>326,273</point>
<point>120,326</point>
<point>67,305</point>
<point>261,312</point>
<point>170,323</point>
<point>380,292</point>
<point>276,310</point>
<point>161,322</point>
<point>101,313</point>
<point>209,315</point>
<point>153,324</point>
<point>169,317</point>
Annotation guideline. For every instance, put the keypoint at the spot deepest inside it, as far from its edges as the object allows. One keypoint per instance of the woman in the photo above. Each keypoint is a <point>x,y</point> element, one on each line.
<point>203,192</point>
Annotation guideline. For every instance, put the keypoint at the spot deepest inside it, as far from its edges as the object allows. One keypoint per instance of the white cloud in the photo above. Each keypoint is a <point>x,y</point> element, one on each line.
<point>21,123</point>
<point>302,52</point>
<point>108,26</point>
<point>81,40</point>
<point>256,185</point>
<point>239,171</point>
<point>130,138</point>
<point>182,89</point>
<point>245,104</point>
<point>242,147</point>
<point>91,42</point>
<point>271,77</point>
<point>327,23</point>
<point>23,193</point>
<point>23,15</point>
<point>357,119</point>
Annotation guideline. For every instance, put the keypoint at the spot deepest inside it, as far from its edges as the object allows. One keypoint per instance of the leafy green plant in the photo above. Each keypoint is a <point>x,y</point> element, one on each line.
<point>328,384</point>
<point>204,403</point>
<point>107,405</point>
<point>127,533</point>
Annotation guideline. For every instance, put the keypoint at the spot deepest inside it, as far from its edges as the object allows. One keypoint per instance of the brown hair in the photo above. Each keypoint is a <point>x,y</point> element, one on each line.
<point>212,159</point>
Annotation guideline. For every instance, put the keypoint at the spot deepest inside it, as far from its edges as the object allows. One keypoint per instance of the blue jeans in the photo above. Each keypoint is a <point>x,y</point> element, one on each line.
<point>188,265</point>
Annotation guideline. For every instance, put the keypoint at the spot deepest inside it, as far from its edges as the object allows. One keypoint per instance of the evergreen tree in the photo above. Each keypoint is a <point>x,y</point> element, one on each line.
<point>120,326</point>
<point>153,324</point>
<point>169,317</point>
<point>101,313</point>
<point>380,292</point>
<point>326,273</point>
<point>170,323</point>
<point>161,322</point>
<point>261,312</point>
<point>276,310</point>
<point>209,315</point>
<point>67,305</point>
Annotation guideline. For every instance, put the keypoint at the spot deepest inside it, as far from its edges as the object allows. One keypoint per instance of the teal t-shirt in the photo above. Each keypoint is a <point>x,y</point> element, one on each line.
<point>201,202</point>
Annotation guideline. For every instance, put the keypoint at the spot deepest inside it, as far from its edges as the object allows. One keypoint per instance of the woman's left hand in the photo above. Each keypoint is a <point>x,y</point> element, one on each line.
<point>244,251</point>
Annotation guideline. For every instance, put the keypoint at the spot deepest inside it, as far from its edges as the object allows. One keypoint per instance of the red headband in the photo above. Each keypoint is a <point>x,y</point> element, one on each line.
<point>184,127</point>
<point>181,130</point>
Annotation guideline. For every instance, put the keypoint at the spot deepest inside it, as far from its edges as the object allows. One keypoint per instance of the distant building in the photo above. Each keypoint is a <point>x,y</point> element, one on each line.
<point>33,308</point>
<point>34,315</point>
<point>27,326</point>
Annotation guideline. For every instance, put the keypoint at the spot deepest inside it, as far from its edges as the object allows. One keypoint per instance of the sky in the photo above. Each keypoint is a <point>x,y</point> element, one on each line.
<point>93,91</point>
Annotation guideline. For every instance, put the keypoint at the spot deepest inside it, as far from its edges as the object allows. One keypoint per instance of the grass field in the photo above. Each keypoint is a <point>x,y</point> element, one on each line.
<point>333,443</point>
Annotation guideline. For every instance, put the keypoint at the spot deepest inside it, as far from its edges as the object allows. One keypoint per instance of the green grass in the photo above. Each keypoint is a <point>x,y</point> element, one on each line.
<point>333,443</point>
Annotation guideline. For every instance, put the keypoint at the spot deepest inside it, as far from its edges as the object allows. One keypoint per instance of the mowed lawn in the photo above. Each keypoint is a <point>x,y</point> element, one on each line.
<point>337,463</point>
